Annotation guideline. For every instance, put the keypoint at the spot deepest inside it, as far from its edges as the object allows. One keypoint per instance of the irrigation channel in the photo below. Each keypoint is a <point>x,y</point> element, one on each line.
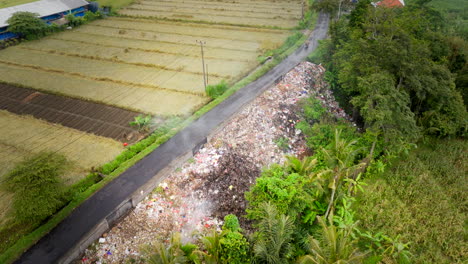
<point>99,212</point>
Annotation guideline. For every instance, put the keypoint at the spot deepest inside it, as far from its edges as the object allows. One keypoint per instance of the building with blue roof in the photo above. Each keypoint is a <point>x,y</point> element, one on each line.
<point>48,10</point>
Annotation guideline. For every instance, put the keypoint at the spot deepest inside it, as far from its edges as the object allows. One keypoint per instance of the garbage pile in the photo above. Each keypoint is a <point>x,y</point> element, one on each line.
<point>226,183</point>
<point>209,186</point>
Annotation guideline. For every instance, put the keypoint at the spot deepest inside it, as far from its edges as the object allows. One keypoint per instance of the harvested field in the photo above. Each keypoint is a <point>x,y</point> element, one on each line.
<point>143,65</point>
<point>85,116</point>
<point>22,136</point>
<point>281,14</point>
<point>140,99</point>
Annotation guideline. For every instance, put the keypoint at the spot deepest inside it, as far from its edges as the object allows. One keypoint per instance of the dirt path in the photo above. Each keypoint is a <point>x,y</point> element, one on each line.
<point>101,120</point>
<point>101,205</point>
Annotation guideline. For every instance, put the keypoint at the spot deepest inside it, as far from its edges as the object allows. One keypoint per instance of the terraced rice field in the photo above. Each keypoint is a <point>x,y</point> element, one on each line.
<point>276,13</point>
<point>145,65</point>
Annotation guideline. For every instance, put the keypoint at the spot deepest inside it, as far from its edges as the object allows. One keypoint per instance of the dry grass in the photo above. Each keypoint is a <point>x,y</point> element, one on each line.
<point>23,136</point>
<point>423,198</point>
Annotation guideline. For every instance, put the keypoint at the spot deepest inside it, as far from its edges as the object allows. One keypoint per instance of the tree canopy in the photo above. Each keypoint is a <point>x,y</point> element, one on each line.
<point>27,24</point>
<point>393,69</point>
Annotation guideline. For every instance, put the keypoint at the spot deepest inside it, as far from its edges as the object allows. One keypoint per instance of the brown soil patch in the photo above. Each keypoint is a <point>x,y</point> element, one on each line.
<point>98,119</point>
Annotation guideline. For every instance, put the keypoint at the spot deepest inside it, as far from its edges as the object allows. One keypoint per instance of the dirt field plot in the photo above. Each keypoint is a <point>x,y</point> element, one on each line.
<point>144,65</point>
<point>85,116</point>
<point>283,14</point>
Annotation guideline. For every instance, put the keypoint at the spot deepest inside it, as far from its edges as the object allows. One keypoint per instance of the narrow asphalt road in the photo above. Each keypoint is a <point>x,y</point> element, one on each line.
<point>69,232</point>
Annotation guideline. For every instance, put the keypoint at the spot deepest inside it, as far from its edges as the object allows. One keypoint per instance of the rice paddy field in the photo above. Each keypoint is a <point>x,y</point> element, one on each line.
<point>147,60</point>
<point>274,13</point>
<point>125,63</point>
<point>23,136</point>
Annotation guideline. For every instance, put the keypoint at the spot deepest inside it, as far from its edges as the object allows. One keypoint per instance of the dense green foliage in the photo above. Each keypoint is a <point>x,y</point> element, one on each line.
<point>291,193</point>
<point>392,68</point>
<point>234,247</point>
<point>30,26</point>
<point>422,198</point>
<point>273,243</point>
<point>38,191</point>
<point>27,24</point>
<point>216,90</point>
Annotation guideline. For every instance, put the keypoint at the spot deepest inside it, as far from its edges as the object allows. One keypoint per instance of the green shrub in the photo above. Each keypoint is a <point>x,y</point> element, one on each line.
<point>74,21</point>
<point>214,91</point>
<point>141,122</point>
<point>37,188</point>
<point>90,16</point>
<point>231,223</point>
<point>282,143</point>
<point>291,193</point>
<point>234,248</point>
<point>27,25</point>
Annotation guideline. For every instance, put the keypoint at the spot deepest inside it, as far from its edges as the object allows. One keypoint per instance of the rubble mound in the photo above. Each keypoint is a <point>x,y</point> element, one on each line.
<point>227,182</point>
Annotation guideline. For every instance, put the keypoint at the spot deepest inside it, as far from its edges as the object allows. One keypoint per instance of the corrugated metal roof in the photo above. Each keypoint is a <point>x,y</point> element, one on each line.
<point>43,8</point>
<point>391,3</point>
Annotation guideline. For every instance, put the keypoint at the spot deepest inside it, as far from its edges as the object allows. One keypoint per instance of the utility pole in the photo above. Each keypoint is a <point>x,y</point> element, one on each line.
<point>203,59</point>
<point>302,14</point>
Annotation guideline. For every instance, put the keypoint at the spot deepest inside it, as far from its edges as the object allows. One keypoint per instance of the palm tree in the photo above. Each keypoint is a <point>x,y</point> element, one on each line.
<point>302,167</point>
<point>212,244</point>
<point>336,246</point>
<point>273,242</point>
<point>160,254</point>
<point>340,159</point>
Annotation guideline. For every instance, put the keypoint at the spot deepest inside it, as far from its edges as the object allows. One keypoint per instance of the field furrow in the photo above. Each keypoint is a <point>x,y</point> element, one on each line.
<point>140,99</point>
<point>280,4</point>
<point>170,38</point>
<point>202,10</point>
<point>215,7</point>
<point>197,30</point>
<point>263,22</point>
<point>219,68</point>
<point>174,81</point>
<point>156,47</point>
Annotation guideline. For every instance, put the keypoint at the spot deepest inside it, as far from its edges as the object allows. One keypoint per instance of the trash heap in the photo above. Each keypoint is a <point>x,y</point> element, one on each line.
<point>211,185</point>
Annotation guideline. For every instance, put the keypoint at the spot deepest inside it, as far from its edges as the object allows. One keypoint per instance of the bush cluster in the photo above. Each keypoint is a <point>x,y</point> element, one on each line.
<point>214,91</point>
<point>37,187</point>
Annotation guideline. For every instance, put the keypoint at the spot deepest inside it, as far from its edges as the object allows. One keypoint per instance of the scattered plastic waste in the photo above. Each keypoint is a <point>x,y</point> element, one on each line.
<point>196,196</point>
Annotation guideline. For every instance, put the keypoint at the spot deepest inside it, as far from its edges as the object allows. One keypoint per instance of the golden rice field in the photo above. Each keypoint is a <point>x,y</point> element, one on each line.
<point>145,64</point>
<point>274,13</point>
<point>22,136</point>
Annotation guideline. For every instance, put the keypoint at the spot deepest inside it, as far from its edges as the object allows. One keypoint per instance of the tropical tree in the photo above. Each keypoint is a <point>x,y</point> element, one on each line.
<point>334,245</point>
<point>159,253</point>
<point>27,25</point>
<point>212,244</point>
<point>274,236</point>
<point>340,158</point>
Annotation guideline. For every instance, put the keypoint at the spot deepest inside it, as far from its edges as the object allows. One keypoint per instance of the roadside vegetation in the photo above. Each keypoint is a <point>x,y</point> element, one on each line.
<point>391,189</point>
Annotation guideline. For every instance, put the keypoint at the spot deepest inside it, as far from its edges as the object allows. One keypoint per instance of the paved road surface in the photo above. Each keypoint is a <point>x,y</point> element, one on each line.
<point>68,233</point>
